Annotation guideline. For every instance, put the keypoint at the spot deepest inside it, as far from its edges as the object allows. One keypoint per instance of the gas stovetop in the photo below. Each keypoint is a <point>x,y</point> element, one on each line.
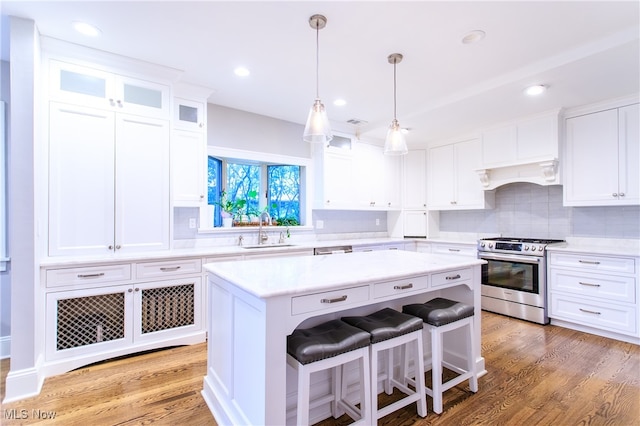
<point>527,246</point>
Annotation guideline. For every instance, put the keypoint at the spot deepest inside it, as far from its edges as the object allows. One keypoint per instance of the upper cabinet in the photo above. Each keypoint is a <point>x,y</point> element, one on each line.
<point>602,161</point>
<point>189,146</point>
<point>523,151</point>
<point>353,175</point>
<point>93,87</point>
<point>415,180</point>
<point>453,181</point>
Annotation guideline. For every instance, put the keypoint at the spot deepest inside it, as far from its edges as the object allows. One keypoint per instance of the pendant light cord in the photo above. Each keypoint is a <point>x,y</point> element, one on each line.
<point>394,89</point>
<point>317,60</point>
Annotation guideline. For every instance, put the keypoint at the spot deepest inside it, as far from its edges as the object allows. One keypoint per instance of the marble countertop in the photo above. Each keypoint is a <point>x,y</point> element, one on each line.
<point>604,246</point>
<point>266,278</point>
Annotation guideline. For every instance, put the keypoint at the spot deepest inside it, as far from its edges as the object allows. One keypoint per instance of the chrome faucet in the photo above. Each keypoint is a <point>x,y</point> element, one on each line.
<point>262,236</point>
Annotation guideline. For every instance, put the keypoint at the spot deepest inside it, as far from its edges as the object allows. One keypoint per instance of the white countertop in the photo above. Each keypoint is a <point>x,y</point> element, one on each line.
<point>294,275</point>
<point>604,246</point>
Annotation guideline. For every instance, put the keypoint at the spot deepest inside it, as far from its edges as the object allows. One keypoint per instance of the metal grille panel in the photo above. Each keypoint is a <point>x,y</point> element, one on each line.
<point>86,320</point>
<point>167,307</point>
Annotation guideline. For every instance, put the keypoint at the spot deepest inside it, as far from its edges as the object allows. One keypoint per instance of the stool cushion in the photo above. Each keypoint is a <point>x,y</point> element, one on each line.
<point>325,341</point>
<point>386,324</point>
<point>439,311</point>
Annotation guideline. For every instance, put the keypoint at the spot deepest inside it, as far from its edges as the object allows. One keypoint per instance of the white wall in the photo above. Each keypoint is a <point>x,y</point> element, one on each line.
<point>23,193</point>
<point>232,128</point>
<point>5,276</point>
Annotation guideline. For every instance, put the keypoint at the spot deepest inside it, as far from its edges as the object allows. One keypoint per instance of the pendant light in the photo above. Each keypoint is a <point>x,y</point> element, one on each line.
<point>317,129</point>
<point>395,143</point>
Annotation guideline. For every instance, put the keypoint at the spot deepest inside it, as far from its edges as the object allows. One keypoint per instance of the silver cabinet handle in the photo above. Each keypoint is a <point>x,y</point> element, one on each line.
<point>589,262</point>
<point>173,268</point>
<point>334,300</point>
<point>453,277</point>
<point>100,274</point>
<point>588,284</point>
<point>403,287</point>
<point>589,312</point>
<point>452,249</point>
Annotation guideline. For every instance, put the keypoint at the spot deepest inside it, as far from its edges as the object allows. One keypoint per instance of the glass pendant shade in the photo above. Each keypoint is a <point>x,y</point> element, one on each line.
<point>317,129</point>
<point>395,143</point>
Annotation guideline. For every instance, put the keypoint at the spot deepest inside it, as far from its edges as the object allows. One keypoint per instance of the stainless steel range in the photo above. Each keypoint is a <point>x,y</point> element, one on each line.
<point>514,280</point>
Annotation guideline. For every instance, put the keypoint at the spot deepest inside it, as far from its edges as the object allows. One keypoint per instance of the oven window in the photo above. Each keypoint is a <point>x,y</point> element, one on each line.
<point>511,274</point>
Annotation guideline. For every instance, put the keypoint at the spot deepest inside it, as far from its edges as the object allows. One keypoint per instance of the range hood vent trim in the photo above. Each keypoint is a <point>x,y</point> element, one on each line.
<point>541,172</point>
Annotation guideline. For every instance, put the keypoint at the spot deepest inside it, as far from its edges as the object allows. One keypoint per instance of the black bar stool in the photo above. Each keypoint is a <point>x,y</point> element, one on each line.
<point>440,316</point>
<point>330,345</point>
<point>390,329</point>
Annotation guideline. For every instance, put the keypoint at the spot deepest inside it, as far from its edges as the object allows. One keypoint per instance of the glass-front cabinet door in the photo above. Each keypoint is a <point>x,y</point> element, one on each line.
<point>98,88</point>
<point>188,114</point>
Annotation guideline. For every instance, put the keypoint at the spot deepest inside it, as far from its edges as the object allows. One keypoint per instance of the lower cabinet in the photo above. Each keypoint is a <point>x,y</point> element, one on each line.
<point>594,293</point>
<point>95,320</point>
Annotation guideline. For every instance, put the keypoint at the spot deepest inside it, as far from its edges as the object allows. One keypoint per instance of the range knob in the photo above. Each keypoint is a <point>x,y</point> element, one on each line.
<point>526,248</point>
<point>482,244</point>
<point>490,245</point>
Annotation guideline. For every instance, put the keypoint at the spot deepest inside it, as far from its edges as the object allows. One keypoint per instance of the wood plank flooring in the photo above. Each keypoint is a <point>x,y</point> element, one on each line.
<point>537,375</point>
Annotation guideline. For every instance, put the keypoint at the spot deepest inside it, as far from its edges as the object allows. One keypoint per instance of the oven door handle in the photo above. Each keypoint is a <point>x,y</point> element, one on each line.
<point>523,259</point>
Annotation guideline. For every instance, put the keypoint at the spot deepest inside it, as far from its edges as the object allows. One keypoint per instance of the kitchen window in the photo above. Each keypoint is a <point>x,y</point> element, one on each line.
<point>261,187</point>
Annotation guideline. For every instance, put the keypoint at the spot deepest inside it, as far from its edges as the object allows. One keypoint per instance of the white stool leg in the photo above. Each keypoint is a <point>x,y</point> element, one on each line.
<point>471,357</point>
<point>366,407</point>
<point>373,367</point>
<point>436,369</point>
<point>303,396</point>
<point>388,388</point>
<point>419,377</point>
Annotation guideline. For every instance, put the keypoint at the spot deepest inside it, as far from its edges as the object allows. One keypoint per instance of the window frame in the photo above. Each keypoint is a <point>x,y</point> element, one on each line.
<point>264,158</point>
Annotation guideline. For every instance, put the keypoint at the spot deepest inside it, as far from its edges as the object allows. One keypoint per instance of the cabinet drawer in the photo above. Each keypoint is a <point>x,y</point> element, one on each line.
<point>593,313</point>
<point>594,263</point>
<point>451,277</point>
<point>168,267</point>
<point>335,299</point>
<point>459,250</point>
<point>88,275</point>
<point>611,287</point>
<point>398,288</point>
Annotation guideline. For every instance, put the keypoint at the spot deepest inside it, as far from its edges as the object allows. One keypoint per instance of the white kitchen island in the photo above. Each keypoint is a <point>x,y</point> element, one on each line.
<point>253,305</point>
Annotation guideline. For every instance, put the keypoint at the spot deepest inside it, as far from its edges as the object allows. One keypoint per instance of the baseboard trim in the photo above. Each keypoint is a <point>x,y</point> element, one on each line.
<point>5,347</point>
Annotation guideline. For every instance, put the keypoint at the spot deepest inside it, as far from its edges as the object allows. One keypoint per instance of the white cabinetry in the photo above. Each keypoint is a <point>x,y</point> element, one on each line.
<point>122,308</point>
<point>414,200</point>
<point>526,140</point>
<point>603,158</point>
<point>453,181</point>
<point>189,149</point>
<point>98,88</point>
<point>333,172</point>
<point>459,249</point>
<point>594,293</point>
<point>377,178</point>
<point>108,182</point>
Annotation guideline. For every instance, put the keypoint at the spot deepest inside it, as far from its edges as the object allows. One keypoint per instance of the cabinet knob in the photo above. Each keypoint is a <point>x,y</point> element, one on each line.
<point>621,194</point>
<point>112,102</point>
<point>130,290</point>
<point>118,247</point>
<point>137,289</point>
<point>119,102</point>
<point>201,196</point>
<point>201,125</point>
<point>615,194</point>
<point>110,247</point>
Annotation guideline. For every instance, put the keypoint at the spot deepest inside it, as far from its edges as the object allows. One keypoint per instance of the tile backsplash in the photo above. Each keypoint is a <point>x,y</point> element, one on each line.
<point>533,211</point>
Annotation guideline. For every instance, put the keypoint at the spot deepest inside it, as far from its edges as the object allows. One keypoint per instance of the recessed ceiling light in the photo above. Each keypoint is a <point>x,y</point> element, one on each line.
<point>535,90</point>
<point>86,29</point>
<point>473,36</point>
<point>241,72</point>
<point>339,102</point>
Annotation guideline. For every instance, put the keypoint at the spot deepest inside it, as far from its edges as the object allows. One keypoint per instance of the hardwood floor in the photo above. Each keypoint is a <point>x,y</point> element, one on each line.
<point>537,375</point>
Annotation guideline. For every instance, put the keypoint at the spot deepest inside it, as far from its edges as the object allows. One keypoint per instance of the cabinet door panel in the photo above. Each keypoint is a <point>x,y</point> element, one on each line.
<point>441,177</point>
<point>415,180</point>
<point>142,188</point>
<point>592,154</point>
<point>81,180</point>
<point>629,157</point>
<point>469,188</point>
<point>188,168</point>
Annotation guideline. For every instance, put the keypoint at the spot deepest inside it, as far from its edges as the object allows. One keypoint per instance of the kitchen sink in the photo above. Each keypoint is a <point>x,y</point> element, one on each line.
<point>265,246</point>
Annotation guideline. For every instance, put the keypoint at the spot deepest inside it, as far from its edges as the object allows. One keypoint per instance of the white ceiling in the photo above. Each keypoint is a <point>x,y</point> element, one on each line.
<point>584,51</point>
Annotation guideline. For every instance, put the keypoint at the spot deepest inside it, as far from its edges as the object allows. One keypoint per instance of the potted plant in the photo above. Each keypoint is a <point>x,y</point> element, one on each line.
<point>229,209</point>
